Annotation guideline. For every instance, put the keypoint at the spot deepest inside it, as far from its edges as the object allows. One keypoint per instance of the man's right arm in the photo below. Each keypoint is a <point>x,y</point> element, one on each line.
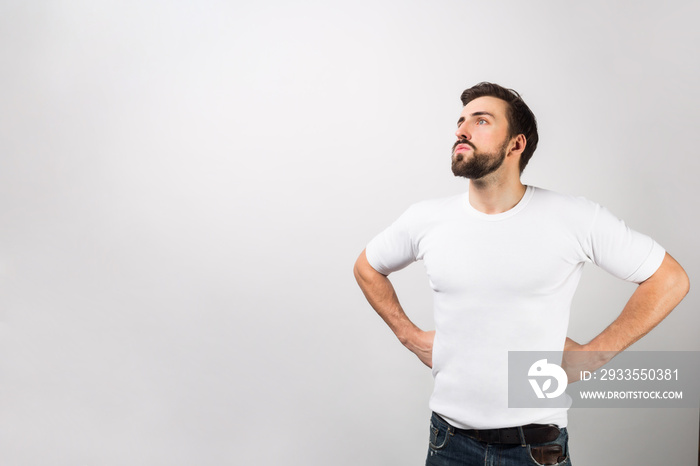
<point>381,296</point>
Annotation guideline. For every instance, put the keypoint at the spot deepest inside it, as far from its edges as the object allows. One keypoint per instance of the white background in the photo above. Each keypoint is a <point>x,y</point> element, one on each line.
<point>184,187</point>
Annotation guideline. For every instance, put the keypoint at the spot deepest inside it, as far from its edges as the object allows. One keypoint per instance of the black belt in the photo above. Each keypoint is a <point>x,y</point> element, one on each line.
<point>533,433</point>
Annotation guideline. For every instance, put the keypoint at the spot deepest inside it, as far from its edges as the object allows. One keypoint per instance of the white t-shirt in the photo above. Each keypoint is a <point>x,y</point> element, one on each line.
<point>502,283</point>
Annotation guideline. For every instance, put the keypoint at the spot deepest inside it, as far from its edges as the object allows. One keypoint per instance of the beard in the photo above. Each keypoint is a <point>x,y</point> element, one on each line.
<point>479,163</point>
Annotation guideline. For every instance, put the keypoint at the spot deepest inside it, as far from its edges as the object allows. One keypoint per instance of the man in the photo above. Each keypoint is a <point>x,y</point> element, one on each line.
<point>504,261</point>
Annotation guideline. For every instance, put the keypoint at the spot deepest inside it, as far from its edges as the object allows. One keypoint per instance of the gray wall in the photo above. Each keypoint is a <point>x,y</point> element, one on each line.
<point>184,187</point>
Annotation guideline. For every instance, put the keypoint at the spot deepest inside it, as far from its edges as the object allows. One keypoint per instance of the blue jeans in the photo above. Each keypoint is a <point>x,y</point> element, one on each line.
<point>450,447</point>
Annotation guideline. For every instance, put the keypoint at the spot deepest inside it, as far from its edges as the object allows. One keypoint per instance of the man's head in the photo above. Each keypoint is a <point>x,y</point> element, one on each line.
<point>519,121</point>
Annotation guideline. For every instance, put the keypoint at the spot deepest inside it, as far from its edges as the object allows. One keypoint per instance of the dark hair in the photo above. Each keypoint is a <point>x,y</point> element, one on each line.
<point>521,120</point>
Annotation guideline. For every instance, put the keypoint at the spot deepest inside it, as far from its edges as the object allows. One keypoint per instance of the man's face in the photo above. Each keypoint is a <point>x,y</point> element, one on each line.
<point>482,138</point>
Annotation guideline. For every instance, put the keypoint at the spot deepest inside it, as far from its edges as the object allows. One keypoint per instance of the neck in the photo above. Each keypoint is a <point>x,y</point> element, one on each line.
<point>495,196</point>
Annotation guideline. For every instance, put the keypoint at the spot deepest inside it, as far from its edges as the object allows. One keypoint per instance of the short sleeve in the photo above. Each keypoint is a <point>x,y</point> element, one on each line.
<point>621,251</point>
<point>393,249</point>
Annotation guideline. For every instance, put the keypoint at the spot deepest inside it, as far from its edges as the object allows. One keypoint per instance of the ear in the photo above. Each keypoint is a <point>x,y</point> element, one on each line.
<point>517,144</point>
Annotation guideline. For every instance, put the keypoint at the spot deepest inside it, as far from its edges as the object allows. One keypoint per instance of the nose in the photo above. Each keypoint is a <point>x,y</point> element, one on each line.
<point>462,132</point>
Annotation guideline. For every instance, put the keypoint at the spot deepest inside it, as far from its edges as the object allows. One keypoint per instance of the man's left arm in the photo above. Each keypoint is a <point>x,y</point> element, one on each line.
<point>650,303</point>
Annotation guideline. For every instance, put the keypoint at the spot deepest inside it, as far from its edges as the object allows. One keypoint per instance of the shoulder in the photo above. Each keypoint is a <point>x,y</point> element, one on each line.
<point>567,208</point>
<point>423,215</point>
<point>431,208</point>
<point>557,198</point>
<point>554,199</point>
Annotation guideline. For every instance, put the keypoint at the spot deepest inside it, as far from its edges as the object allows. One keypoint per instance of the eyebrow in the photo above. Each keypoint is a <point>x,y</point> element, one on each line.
<point>461,119</point>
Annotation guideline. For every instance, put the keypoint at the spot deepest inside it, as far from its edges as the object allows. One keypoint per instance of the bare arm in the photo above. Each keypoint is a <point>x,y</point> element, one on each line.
<point>381,296</point>
<point>650,303</point>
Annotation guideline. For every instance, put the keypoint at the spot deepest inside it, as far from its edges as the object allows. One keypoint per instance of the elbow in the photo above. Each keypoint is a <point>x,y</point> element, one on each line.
<point>678,282</point>
<point>363,271</point>
<point>672,279</point>
<point>356,270</point>
<point>683,283</point>
<point>360,268</point>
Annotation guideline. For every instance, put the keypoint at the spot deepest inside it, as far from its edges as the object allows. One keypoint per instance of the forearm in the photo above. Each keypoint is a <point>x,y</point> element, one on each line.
<point>382,297</point>
<point>651,302</point>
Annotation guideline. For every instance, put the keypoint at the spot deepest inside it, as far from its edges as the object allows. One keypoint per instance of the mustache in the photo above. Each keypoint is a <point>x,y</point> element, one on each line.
<point>463,141</point>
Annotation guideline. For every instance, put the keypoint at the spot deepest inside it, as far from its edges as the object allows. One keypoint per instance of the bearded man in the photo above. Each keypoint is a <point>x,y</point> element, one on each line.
<point>504,260</point>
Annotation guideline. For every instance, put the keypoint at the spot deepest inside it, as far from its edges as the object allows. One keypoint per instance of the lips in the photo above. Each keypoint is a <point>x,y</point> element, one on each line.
<point>461,147</point>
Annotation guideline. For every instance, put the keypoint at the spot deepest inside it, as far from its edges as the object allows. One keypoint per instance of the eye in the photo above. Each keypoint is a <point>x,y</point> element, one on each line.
<point>481,121</point>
